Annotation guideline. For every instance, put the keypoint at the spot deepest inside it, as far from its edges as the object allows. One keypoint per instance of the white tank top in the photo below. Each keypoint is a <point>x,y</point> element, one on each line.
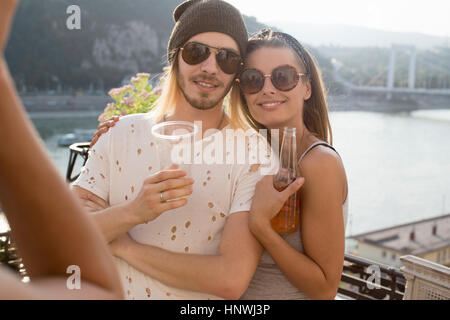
<point>268,282</point>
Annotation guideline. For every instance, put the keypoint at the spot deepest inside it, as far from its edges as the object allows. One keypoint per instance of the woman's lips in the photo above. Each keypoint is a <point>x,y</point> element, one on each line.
<point>271,105</point>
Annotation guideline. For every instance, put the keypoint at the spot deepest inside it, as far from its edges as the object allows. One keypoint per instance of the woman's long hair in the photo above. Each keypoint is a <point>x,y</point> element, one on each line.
<point>315,109</point>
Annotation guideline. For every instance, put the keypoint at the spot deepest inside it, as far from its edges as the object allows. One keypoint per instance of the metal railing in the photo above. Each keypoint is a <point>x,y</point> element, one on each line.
<point>77,149</point>
<point>426,280</point>
<point>363,279</point>
<point>9,255</point>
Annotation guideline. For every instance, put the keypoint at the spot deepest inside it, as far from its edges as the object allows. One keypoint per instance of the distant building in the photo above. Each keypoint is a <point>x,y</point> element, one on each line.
<point>427,239</point>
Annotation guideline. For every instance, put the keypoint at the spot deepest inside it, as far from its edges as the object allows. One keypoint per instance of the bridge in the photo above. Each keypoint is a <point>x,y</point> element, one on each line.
<point>433,61</point>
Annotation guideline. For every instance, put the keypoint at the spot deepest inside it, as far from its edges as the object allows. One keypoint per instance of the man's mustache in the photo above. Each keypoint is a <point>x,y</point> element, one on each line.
<point>209,79</point>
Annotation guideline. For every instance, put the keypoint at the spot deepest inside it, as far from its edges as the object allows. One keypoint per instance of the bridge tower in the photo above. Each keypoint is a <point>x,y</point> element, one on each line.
<point>411,50</point>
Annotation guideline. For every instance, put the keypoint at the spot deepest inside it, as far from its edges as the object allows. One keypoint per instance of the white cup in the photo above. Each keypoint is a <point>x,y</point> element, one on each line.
<point>175,143</point>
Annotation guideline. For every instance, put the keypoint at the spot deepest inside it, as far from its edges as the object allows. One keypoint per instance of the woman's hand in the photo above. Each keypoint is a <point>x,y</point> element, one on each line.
<point>103,128</point>
<point>89,201</point>
<point>268,201</point>
<point>7,9</point>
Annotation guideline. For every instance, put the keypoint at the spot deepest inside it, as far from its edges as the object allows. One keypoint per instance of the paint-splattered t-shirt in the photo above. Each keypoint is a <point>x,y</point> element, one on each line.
<point>118,165</point>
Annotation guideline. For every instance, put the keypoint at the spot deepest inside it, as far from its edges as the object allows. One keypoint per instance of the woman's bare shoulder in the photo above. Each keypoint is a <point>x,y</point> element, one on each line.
<point>321,158</point>
<point>321,167</point>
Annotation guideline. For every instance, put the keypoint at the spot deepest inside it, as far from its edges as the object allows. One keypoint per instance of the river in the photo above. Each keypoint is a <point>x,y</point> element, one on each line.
<point>398,165</point>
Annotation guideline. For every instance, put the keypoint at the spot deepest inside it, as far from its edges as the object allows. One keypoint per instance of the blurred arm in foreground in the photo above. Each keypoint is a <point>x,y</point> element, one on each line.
<point>49,226</point>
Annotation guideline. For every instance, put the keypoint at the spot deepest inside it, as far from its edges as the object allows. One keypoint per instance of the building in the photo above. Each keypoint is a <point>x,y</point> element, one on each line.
<point>428,239</point>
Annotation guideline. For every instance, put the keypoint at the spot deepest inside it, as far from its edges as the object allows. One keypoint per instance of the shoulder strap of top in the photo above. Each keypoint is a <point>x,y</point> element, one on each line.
<point>315,144</point>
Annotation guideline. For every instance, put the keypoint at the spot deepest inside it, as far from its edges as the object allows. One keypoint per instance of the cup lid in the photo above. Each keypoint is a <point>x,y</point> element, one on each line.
<point>157,127</point>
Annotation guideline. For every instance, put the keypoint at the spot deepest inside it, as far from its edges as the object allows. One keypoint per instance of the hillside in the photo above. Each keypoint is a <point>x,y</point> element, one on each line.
<point>120,38</point>
<point>117,38</point>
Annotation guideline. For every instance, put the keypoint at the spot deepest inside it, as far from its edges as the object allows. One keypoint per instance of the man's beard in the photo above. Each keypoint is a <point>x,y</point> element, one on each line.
<point>201,104</point>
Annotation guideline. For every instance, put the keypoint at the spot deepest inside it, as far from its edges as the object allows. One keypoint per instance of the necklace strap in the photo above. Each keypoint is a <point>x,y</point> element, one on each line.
<point>315,144</point>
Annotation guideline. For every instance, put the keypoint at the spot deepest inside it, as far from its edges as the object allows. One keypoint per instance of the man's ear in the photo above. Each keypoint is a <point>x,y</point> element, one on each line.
<point>308,91</point>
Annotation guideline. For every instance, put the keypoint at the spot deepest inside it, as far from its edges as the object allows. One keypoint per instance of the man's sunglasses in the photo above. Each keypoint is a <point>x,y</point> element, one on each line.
<point>283,78</point>
<point>194,53</point>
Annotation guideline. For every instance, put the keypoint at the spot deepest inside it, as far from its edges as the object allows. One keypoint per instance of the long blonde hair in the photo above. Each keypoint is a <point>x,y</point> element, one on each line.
<point>315,109</point>
<point>170,92</point>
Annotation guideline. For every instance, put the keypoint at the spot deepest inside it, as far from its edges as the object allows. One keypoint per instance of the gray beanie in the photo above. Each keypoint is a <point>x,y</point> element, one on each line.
<point>197,16</point>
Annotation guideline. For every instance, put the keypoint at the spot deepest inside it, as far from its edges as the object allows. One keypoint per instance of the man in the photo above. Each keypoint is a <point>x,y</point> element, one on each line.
<point>48,225</point>
<point>199,248</point>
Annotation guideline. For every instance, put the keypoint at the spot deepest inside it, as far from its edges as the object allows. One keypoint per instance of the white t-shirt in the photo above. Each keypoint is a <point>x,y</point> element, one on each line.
<point>118,165</point>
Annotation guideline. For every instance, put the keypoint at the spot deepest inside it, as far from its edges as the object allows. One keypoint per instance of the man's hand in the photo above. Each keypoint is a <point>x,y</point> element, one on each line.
<point>152,200</point>
<point>120,243</point>
<point>157,195</point>
<point>7,9</point>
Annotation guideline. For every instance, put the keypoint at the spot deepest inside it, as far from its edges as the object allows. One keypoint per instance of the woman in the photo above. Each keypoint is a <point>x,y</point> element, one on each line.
<point>308,263</point>
<point>281,86</point>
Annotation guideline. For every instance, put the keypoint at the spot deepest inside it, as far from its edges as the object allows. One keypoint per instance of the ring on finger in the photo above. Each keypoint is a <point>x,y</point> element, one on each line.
<point>161,196</point>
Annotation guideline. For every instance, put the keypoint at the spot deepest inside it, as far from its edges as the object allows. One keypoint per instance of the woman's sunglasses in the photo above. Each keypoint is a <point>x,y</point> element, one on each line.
<point>283,78</point>
<point>194,53</point>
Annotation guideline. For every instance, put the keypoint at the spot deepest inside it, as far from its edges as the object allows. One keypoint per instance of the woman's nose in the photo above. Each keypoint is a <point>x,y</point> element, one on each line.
<point>268,87</point>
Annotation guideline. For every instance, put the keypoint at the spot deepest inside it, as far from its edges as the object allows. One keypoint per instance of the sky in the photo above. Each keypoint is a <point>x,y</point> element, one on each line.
<point>430,17</point>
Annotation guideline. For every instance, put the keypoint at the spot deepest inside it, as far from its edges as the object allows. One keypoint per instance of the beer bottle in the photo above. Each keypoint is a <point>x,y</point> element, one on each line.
<point>287,219</point>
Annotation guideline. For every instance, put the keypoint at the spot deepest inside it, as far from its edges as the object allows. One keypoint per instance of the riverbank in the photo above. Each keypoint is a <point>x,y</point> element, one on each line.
<point>380,103</point>
<point>64,114</point>
<point>65,103</point>
<point>86,105</point>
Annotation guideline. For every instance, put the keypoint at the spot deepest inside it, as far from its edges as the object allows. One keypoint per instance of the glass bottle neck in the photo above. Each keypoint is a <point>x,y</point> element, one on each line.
<point>288,155</point>
<point>289,131</point>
